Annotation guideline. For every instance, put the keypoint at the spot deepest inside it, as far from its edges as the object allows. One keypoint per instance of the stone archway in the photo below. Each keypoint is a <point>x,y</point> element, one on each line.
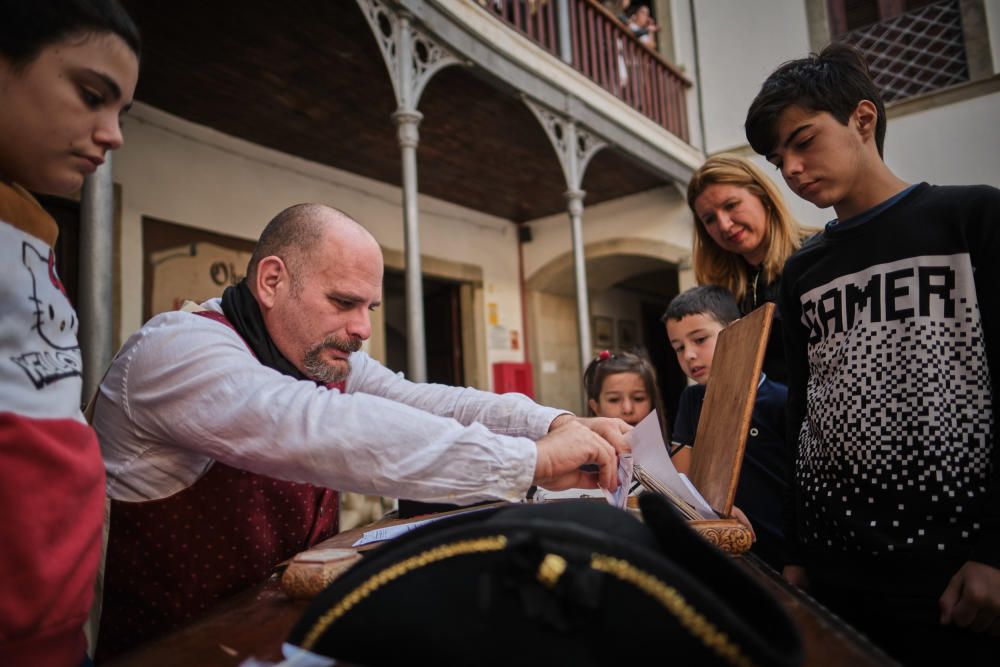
<point>626,276</point>
<point>549,277</point>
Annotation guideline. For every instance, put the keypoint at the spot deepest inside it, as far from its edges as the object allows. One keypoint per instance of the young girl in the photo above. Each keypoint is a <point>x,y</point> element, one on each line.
<point>622,385</point>
<point>68,70</point>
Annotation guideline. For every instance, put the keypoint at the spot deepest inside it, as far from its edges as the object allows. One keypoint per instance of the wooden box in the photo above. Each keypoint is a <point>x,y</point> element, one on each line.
<point>721,438</point>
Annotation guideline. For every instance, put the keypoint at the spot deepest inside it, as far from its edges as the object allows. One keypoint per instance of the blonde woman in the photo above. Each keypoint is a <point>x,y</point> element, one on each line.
<point>743,235</point>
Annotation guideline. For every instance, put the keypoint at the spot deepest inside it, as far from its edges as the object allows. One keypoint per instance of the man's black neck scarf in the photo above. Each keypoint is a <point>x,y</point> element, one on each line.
<point>241,309</point>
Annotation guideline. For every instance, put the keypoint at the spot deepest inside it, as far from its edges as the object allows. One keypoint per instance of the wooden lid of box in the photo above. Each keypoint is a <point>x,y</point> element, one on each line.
<point>725,415</point>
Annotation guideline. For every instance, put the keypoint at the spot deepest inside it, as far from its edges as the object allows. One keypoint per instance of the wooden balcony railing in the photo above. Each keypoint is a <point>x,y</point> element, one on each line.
<point>605,51</point>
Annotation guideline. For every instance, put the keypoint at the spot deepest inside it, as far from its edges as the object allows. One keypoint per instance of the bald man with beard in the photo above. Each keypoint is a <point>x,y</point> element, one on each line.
<point>227,431</point>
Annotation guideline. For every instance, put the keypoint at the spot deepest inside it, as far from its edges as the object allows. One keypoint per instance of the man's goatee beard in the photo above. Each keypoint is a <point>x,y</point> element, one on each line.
<point>320,370</point>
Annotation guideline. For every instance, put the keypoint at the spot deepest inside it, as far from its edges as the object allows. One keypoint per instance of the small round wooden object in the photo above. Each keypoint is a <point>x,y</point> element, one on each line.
<point>310,572</point>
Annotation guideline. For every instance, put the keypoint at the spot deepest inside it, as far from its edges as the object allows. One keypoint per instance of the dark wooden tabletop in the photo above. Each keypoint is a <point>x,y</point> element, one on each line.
<point>256,622</point>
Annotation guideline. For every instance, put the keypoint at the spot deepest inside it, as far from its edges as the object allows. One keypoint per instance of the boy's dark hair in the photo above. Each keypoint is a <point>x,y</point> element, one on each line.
<point>29,26</point>
<point>834,81</point>
<point>712,300</point>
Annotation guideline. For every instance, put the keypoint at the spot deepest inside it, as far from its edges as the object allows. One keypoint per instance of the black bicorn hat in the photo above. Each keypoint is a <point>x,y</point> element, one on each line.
<point>566,583</point>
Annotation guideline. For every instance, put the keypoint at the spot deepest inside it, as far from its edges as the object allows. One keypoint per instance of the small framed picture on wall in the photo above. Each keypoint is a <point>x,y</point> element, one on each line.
<point>628,337</point>
<point>603,332</point>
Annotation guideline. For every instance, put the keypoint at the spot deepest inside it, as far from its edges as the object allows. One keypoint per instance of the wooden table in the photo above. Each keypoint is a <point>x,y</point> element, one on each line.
<point>256,622</point>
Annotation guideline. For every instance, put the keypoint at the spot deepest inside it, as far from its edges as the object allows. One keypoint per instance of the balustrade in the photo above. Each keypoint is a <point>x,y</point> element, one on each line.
<point>605,51</point>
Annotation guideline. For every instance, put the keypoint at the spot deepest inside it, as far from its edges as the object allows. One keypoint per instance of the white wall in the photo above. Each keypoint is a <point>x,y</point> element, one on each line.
<point>957,144</point>
<point>185,173</point>
<point>555,353</point>
<point>993,27</point>
<point>739,44</point>
<point>684,54</point>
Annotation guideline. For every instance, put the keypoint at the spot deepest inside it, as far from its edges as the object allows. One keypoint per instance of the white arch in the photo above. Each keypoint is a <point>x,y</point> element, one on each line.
<point>551,276</point>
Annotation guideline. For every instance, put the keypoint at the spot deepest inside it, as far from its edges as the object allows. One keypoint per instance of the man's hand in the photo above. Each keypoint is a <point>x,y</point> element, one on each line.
<point>611,429</point>
<point>972,598</point>
<point>565,449</point>
<point>742,518</point>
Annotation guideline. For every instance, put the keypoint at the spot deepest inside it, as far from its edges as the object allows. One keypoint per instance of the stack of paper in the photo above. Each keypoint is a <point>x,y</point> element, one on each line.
<point>652,466</point>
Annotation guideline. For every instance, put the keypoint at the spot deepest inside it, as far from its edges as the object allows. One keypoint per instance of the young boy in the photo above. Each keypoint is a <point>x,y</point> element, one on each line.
<point>890,324</point>
<point>694,320</point>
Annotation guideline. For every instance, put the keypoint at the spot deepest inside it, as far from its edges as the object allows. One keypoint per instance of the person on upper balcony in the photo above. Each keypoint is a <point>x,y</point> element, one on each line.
<point>643,26</point>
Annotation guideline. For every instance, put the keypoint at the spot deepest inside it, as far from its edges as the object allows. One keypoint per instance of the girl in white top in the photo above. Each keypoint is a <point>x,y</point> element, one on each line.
<point>68,70</point>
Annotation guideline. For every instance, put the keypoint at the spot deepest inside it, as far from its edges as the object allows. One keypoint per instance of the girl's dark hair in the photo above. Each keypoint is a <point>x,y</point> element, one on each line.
<point>29,26</point>
<point>606,364</point>
<point>835,81</point>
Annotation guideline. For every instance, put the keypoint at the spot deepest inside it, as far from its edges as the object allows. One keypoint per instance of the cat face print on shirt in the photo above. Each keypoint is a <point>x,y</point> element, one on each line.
<point>55,319</point>
<point>49,349</point>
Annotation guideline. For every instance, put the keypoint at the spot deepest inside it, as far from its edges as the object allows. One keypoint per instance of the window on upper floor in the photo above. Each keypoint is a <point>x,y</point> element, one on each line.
<point>848,15</point>
<point>912,46</point>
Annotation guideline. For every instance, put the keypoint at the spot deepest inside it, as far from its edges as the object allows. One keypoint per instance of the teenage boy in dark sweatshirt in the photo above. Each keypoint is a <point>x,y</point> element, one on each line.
<point>890,318</point>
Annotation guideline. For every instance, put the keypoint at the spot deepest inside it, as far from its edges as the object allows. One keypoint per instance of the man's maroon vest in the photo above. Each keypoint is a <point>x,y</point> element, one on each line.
<point>170,560</point>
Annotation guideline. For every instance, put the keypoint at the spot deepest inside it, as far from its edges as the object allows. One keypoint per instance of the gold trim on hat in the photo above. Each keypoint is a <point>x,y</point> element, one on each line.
<point>393,572</point>
<point>549,571</point>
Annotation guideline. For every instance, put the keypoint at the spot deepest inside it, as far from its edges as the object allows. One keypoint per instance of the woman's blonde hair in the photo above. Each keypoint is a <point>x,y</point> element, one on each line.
<point>715,266</point>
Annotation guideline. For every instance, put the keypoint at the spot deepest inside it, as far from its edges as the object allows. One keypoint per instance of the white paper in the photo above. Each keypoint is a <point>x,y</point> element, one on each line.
<point>649,451</point>
<point>299,657</point>
<point>391,532</point>
<point>700,503</point>
<point>619,498</point>
<point>544,495</point>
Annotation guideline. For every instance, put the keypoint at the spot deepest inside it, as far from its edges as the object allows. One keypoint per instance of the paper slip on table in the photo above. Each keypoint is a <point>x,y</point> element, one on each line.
<point>255,623</point>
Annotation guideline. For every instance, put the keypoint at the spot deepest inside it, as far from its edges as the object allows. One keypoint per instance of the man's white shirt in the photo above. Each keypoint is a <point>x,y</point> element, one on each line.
<point>185,391</point>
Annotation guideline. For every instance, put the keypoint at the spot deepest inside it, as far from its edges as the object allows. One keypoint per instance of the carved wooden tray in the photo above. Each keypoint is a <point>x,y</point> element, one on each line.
<point>728,534</point>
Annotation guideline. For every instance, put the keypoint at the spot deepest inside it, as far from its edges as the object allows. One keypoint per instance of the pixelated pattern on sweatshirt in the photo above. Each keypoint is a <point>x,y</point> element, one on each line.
<point>895,446</point>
